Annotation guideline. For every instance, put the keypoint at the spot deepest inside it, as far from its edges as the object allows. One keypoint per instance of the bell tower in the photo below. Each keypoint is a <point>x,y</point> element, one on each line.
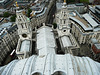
<point>23,23</point>
<point>62,20</point>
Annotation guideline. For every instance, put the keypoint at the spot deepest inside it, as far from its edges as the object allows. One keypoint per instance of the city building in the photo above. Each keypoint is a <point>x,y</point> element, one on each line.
<point>80,7</point>
<point>5,3</point>
<point>96,2</point>
<point>8,41</point>
<point>40,12</point>
<point>2,11</point>
<point>95,12</point>
<point>23,3</point>
<point>95,49</point>
<point>84,28</point>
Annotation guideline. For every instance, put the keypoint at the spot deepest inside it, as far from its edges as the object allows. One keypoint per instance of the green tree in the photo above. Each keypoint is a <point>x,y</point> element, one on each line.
<point>29,11</point>
<point>13,18</point>
<point>86,1</point>
<point>6,14</point>
<point>54,25</point>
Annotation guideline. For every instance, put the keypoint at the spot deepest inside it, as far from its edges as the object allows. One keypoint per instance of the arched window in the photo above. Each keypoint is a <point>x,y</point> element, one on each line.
<point>59,73</point>
<point>22,25</point>
<point>36,73</point>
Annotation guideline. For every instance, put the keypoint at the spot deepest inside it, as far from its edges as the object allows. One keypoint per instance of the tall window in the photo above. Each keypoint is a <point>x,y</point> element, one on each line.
<point>64,21</point>
<point>22,25</point>
<point>61,21</point>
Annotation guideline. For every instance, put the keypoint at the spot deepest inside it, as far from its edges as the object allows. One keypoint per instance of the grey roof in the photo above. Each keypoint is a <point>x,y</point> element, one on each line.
<point>98,6</point>
<point>45,41</point>
<point>3,10</point>
<point>98,11</point>
<point>92,9</point>
<point>94,40</point>
<point>66,41</point>
<point>97,45</point>
<point>41,12</point>
<point>2,1</point>
<point>6,25</point>
<point>82,25</point>
<point>25,46</point>
<point>59,5</point>
<point>50,64</point>
<point>92,22</point>
<point>79,4</point>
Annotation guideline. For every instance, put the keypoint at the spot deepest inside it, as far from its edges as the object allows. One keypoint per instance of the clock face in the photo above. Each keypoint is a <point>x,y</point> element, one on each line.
<point>24,35</point>
<point>64,30</point>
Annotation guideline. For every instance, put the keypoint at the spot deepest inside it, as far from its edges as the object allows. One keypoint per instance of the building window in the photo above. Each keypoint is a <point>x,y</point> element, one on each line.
<point>22,25</point>
<point>64,21</point>
<point>61,21</point>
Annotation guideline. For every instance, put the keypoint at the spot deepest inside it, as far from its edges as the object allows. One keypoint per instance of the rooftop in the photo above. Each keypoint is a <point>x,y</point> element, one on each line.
<point>25,46</point>
<point>81,25</point>
<point>94,40</point>
<point>82,20</point>
<point>92,22</point>
<point>6,25</point>
<point>2,1</point>
<point>45,41</point>
<point>98,6</point>
<point>50,64</point>
<point>66,41</point>
<point>79,4</point>
<point>85,22</point>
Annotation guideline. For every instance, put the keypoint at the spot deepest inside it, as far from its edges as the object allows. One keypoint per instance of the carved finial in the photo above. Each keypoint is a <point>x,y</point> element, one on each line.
<point>64,1</point>
<point>16,4</point>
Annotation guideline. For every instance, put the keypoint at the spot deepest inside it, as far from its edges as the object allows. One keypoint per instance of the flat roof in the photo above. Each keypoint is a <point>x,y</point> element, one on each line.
<point>6,25</point>
<point>66,41</point>
<point>94,40</point>
<point>45,41</point>
<point>79,4</point>
<point>81,23</point>
<point>92,22</point>
<point>82,20</point>
<point>59,5</point>
<point>25,46</point>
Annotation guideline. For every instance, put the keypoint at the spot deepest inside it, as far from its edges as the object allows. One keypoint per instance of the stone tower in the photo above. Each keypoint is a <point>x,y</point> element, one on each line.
<point>62,19</point>
<point>23,23</point>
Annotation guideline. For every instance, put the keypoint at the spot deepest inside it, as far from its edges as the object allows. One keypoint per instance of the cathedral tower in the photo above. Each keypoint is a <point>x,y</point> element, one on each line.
<point>23,23</point>
<point>62,18</point>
